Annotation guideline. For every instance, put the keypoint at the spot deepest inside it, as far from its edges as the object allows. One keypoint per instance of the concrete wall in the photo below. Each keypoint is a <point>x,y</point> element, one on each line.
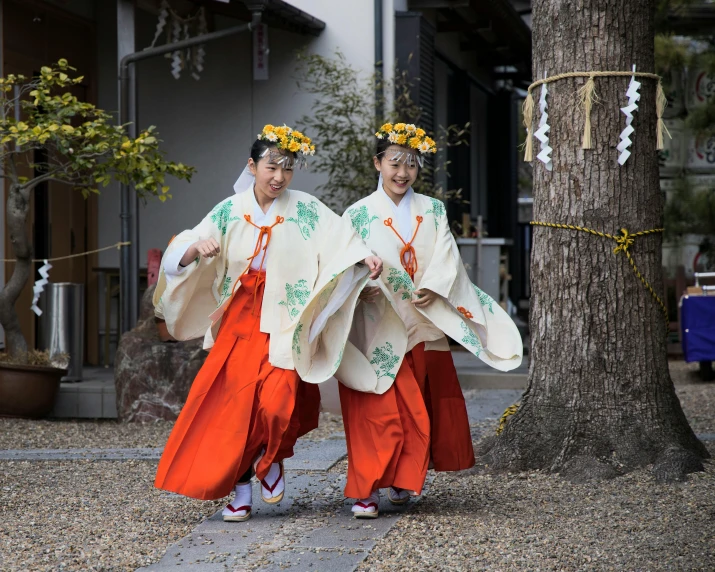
<point>211,123</point>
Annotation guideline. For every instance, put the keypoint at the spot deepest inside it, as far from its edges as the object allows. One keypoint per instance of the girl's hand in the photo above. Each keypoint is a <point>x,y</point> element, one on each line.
<point>424,298</point>
<point>369,293</point>
<point>207,248</point>
<point>374,263</point>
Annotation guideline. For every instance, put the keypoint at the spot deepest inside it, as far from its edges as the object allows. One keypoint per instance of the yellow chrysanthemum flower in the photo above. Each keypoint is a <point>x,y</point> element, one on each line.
<point>401,139</point>
<point>268,128</point>
<point>281,131</point>
<point>420,132</point>
<point>414,142</point>
<point>298,135</point>
<point>430,142</point>
<point>294,146</point>
<point>387,127</point>
<point>400,126</point>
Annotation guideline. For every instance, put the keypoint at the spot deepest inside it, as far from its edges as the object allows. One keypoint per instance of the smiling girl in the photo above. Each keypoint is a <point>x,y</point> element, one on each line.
<point>269,278</point>
<point>416,415</point>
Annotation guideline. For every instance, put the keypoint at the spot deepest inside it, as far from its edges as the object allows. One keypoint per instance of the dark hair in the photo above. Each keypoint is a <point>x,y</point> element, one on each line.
<point>382,146</point>
<point>259,146</point>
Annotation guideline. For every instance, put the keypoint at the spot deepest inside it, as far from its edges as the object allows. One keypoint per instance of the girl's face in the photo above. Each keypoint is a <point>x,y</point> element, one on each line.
<point>272,178</point>
<point>397,176</point>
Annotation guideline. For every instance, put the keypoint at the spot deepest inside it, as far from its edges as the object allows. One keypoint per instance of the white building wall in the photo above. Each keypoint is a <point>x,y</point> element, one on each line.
<point>211,123</point>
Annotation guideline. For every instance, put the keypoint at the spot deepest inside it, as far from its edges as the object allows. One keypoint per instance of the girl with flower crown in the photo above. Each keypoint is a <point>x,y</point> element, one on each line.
<point>270,278</point>
<point>416,415</point>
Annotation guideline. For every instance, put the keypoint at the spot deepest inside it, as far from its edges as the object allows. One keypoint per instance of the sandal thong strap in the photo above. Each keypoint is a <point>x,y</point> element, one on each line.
<point>366,506</point>
<point>239,509</point>
<point>270,489</point>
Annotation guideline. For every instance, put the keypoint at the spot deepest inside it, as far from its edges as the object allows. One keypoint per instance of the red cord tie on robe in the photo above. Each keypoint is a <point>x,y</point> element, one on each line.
<point>408,256</point>
<point>466,313</point>
<point>267,232</point>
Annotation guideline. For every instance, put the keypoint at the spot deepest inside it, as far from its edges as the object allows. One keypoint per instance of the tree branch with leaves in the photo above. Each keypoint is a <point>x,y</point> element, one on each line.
<point>82,147</point>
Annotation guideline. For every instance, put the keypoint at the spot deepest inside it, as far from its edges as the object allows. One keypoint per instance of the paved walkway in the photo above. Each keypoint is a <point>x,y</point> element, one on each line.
<point>313,528</point>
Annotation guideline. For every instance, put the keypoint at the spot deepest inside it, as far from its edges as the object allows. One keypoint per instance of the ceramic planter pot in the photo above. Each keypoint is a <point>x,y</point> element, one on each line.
<point>28,390</point>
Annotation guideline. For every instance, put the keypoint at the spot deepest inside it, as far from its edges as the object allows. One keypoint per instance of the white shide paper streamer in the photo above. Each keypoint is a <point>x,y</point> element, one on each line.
<point>542,132</point>
<point>633,96</point>
<point>39,286</point>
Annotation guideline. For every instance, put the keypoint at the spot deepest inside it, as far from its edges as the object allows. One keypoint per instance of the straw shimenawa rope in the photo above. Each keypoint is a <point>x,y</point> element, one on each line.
<point>623,244</point>
<point>587,96</point>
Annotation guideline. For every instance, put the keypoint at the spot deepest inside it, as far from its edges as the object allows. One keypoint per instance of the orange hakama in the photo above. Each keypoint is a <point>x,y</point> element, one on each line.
<point>239,405</point>
<point>392,437</point>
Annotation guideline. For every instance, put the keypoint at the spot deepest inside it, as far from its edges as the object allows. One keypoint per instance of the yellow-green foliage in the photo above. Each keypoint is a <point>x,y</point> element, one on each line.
<point>84,146</point>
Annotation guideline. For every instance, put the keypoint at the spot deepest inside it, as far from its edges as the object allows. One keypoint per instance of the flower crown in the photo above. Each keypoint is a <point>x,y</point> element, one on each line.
<point>407,135</point>
<point>287,139</point>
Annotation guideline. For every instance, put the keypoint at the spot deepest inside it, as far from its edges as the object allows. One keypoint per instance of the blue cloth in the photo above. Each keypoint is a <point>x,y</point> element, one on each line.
<point>697,328</point>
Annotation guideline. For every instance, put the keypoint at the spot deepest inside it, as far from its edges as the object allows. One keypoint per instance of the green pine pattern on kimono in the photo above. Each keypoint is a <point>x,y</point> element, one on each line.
<point>385,359</point>
<point>484,298</point>
<point>437,210</point>
<point>296,340</point>
<point>221,216</point>
<point>361,221</point>
<point>225,289</point>
<point>296,295</point>
<point>400,280</point>
<point>471,339</point>
<point>308,217</point>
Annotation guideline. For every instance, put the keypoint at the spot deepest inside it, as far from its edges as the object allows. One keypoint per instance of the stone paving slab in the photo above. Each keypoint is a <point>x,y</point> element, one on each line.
<point>311,529</point>
<point>316,455</point>
<point>484,404</point>
<point>309,455</point>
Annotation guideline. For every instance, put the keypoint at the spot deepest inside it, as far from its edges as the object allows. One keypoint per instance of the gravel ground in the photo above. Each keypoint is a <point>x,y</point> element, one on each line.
<point>105,515</point>
<point>89,515</point>
<point>106,433</point>
<point>542,522</point>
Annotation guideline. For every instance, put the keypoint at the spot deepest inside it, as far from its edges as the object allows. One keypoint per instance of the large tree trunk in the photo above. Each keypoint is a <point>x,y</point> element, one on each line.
<point>18,205</point>
<point>600,400</point>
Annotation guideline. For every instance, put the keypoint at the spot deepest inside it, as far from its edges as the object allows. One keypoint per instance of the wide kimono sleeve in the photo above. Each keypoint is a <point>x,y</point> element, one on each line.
<point>185,297</point>
<point>321,332</point>
<point>464,312</point>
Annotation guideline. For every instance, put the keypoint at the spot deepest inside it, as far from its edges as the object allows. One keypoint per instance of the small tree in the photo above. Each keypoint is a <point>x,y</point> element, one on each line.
<point>83,148</point>
<point>343,122</point>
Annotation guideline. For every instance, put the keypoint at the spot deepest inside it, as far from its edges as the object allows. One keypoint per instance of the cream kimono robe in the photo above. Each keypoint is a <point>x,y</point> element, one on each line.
<point>311,289</point>
<point>385,330</point>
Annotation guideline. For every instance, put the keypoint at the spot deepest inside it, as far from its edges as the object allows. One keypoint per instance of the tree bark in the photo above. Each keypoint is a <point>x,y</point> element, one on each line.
<point>18,205</point>
<point>600,400</point>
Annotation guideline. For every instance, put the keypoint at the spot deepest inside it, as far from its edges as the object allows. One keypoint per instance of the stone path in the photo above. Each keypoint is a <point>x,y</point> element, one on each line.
<point>313,528</point>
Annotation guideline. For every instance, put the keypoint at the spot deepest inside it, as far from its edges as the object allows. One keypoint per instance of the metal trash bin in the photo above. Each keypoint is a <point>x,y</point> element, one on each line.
<point>62,324</point>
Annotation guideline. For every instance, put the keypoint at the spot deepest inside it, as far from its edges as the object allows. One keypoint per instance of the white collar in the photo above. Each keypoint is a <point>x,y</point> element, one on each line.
<point>258,213</point>
<point>402,212</point>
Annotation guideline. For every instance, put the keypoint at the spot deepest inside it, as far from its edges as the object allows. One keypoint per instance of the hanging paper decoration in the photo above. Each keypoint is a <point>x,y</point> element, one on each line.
<point>542,132</point>
<point>39,286</point>
<point>633,96</point>
<point>182,28</point>
<point>587,97</point>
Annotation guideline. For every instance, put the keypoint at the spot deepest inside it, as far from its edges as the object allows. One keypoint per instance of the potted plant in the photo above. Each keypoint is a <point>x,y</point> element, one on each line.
<point>83,148</point>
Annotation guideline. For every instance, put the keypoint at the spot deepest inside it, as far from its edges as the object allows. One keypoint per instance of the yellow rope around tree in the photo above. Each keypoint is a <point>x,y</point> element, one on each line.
<point>587,96</point>
<point>508,412</point>
<point>118,246</point>
<point>624,242</point>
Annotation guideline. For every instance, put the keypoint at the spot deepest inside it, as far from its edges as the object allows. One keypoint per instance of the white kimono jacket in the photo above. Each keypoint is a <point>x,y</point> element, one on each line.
<point>385,330</point>
<point>311,285</point>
